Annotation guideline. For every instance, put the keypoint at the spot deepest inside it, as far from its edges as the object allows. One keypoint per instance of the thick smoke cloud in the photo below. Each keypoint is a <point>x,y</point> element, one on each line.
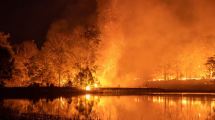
<point>120,42</point>
<point>76,13</point>
<point>143,40</point>
<point>142,37</point>
<point>71,45</point>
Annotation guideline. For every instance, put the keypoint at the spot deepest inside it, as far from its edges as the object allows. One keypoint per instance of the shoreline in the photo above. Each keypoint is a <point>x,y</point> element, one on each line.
<point>54,92</point>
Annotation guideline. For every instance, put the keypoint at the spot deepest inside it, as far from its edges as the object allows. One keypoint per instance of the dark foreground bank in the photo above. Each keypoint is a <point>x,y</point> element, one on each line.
<point>54,92</point>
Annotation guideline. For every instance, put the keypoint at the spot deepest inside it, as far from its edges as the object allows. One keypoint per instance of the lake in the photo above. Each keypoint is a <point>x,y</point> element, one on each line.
<point>144,107</point>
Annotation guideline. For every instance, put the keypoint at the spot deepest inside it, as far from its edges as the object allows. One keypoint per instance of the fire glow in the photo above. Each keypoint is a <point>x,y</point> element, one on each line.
<point>165,43</point>
<point>88,88</point>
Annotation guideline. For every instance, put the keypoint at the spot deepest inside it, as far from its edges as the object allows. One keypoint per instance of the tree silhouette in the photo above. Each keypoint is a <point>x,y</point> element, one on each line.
<point>210,64</point>
<point>6,58</point>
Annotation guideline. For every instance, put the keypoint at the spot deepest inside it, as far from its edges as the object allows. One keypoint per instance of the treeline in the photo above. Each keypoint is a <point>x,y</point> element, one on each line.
<point>175,71</point>
<point>65,59</point>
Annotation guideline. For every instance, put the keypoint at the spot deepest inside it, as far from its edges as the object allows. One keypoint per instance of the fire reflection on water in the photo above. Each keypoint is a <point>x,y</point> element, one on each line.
<point>116,107</point>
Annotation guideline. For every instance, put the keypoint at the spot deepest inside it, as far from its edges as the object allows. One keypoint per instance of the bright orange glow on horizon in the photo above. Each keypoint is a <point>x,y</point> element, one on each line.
<point>88,88</point>
<point>165,43</point>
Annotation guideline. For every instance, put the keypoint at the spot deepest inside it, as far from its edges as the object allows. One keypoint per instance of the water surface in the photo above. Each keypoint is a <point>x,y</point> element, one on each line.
<point>145,107</point>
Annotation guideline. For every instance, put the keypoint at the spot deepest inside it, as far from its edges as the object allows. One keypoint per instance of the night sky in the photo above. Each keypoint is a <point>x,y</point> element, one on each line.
<point>31,20</point>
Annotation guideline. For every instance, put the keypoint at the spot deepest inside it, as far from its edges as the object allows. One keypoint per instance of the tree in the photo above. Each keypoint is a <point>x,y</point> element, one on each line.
<point>6,61</point>
<point>71,54</point>
<point>210,64</point>
<point>58,54</point>
<point>40,71</point>
<point>23,54</point>
<point>85,77</point>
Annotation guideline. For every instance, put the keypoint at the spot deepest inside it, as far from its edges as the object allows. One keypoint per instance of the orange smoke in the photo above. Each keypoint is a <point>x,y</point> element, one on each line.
<point>142,39</point>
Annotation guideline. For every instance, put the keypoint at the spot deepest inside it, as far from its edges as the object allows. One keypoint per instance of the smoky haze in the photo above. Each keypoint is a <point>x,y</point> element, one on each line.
<point>142,39</point>
<point>119,43</point>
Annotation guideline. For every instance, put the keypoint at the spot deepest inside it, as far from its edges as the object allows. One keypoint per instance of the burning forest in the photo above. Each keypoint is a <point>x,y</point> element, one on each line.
<point>113,44</point>
<point>63,60</point>
<point>107,59</point>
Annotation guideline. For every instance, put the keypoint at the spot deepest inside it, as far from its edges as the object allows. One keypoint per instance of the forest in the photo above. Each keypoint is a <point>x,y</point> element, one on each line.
<point>65,59</point>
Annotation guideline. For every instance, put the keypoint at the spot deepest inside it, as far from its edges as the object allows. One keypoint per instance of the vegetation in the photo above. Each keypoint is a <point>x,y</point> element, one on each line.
<point>6,61</point>
<point>210,64</point>
<point>65,59</point>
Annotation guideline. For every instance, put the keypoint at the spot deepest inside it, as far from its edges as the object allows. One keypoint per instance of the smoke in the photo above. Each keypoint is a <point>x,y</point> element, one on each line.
<point>142,36</point>
<point>76,25</point>
<point>76,13</point>
<point>143,40</point>
<point>71,44</point>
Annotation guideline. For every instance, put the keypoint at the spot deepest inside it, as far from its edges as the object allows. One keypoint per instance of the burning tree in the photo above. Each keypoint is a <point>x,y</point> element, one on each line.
<point>40,70</point>
<point>66,58</point>
<point>72,55</point>
<point>210,64</point>
<point>85,77</point>
<point>24,52</point>
<point>57,54</point>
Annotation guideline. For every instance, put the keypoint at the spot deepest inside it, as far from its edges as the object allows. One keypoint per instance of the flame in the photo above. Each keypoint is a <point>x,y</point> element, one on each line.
<point>88,88</point>
<point>143,42</point>
<point>95,85</point>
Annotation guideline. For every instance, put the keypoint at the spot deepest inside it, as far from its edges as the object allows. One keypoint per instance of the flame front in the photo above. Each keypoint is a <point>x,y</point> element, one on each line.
<point>88,88</point>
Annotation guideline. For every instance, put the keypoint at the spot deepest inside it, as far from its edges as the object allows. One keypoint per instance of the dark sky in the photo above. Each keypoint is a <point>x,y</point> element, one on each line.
<point>31,19</point>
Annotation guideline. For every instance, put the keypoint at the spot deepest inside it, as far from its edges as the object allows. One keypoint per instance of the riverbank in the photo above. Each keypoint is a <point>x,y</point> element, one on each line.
<point>54,92</point>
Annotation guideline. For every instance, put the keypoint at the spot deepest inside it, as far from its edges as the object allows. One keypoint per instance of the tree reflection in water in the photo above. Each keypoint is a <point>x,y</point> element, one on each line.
<point>149,107</point>
<point>80,107</point>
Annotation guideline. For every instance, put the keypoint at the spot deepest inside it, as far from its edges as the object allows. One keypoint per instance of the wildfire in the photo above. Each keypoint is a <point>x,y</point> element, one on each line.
<point>95,85</point>
<point>183,78</point>
<point>88,88</point>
